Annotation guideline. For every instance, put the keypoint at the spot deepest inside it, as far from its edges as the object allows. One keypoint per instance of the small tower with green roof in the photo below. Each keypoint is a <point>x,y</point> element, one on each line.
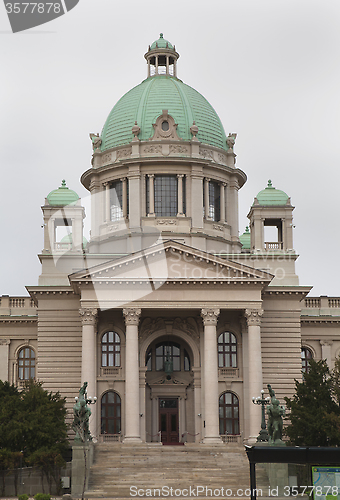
<point>63,213</point>
<point>271,207</point>
<point>162,58</point>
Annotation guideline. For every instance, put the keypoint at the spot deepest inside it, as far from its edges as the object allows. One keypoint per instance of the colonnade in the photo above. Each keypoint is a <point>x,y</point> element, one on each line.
<point>209,364</point>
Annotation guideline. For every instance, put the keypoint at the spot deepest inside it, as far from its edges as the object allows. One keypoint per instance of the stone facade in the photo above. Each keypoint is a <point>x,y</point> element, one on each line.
<point>172,322</point>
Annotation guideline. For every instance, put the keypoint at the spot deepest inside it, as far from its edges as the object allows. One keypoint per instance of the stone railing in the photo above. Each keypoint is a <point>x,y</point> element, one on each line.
<point>228,372</point>
<point>273,245</point>
<point>17,306</point>
<point>231,438</point>
<point>109,438</point>
<point>322,302</point>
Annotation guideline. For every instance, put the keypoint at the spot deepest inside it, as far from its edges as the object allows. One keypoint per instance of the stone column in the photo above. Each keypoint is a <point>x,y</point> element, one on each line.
<point>180,195</point>
<point>167,65</point>
<point>253,317</point>
<point>156,67</point>
<point>151,195</point>
<point>222,201</point>
<point>233,188</point>
<point>124,196</point>
<point>107,202</point>
<point>132,427</point>
<point>206,197</point>
<point>88,360</point>
<point>326,352</point>
<point>210,381</point>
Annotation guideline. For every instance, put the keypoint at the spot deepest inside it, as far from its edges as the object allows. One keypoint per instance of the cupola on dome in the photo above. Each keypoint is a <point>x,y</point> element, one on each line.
<point>162,90</point>
<point>161,43</point>
<point>62,196</point>
<point>272,196</point>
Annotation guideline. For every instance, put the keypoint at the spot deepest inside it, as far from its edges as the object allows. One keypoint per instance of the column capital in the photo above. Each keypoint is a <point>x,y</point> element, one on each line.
<point>210,316</point>
<point>234,184</point>
<point>151,176</point>
<point>88,315</point>
<point>326,342</point>
<point>223,184</point>
<point>207,179</point>
<point>253,316</point>
<point>132,316</point>
<point>180,176</point>
<point>106,183</point>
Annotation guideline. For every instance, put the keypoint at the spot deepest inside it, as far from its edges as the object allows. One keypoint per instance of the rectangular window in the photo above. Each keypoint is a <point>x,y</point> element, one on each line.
<point>116,200</point>
<point>214,201</point>
<point>166,196</point>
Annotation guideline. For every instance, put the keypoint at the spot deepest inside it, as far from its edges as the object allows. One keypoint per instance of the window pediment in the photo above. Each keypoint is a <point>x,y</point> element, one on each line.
<point>165,128</point>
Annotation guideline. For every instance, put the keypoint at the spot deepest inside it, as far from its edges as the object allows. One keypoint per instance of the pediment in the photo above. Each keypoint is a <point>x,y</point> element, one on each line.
<point>170,261</point>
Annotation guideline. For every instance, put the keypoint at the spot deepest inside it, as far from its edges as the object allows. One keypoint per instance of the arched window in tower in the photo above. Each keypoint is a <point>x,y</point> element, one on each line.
<point>110,413</point>
<point>110,349</point>
<point>229,414</point>
<point>227,350</point>
<point>306,356</point>
<point>26,363</point>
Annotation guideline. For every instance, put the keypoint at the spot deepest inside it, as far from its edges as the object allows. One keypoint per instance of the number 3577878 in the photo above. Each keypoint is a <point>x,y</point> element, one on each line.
<point>32,7</point>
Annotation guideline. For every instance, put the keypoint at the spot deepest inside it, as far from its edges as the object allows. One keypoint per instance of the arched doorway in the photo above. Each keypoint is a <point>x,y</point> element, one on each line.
<point>229,420</point>
<point>110,413</point>
<point>168,363</point>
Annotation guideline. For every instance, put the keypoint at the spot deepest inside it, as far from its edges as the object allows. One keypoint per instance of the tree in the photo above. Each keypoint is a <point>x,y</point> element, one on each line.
<point>314,415</point>
<point>44,416</point>
<point>32,422</point>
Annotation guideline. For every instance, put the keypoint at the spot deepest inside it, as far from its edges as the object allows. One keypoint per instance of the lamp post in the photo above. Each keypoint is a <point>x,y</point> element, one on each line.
<point>263,435</point>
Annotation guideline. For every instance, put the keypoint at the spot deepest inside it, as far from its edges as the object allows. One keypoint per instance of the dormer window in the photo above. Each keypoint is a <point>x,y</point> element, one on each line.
<point>165,126</point>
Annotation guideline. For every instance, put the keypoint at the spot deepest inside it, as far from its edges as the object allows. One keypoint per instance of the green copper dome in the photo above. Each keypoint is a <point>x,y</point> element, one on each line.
<point>161,43</point>
<point>67,240</point>
<point>62,196</point>
<point>272,196</point>
<point>245,239</point>
<point>145,103</point>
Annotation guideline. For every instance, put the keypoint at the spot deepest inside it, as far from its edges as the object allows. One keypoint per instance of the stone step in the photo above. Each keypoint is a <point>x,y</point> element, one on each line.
<point>117,467</point>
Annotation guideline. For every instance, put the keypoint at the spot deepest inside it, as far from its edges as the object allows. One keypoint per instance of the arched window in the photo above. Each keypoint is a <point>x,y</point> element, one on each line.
<point>229,414</point>
<point>26,363</point>
<point>168,351</point>
<point>110,346</point>
<point>110,413</point>
<point>227,350</point>
<point>306,356</point>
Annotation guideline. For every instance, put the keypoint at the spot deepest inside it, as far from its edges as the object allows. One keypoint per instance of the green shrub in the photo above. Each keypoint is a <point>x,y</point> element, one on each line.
<point>23,497</point>
<point>42,496</point>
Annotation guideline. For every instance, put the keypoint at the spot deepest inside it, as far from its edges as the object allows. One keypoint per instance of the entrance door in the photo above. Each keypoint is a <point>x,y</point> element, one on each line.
<point>168,420</point>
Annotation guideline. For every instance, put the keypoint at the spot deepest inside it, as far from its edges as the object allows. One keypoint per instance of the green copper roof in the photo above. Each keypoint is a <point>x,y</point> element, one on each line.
<point>245,239</point>
<point>62,196</point>
<point>146,102</point>
<point>67,239</point>
<point>272,196</point>
<point>161,43</point>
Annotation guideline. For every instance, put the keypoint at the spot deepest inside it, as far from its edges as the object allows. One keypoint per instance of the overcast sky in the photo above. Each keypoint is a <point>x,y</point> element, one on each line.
<point>270,68</point>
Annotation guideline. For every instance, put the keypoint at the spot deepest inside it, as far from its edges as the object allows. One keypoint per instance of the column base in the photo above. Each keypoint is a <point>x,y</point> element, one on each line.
<point>132,440</point>
<point>212,440</point>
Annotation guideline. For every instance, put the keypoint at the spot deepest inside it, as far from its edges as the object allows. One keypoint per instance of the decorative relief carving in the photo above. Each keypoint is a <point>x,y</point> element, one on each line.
<point>207,153</point>
<point>231,141</point>
<point>222,158</point>
<point>219,228</point>
<point>188,326</point>
<point>149,326</point>
<point>5,341</point>
<point>210,316</point>
<point>165,127</point>
<point>253,316</point>
<point>132,316</point>
<point>151,150</point>
<point>178,149</point>
<point>88,316</point>
<point>173,222</point>
<point>121,153</point>
<point>326,342</point>
<point>106,158</point>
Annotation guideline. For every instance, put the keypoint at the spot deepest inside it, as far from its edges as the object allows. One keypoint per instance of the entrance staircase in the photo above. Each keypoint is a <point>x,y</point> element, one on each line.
<point>117,467</point>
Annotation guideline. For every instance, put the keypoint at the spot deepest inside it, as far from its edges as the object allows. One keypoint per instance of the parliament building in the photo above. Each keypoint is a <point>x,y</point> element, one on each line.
<point>174,319</point>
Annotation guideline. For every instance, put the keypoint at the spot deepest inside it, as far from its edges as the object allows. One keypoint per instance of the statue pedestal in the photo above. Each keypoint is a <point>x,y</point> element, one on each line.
<point>78,467</point>
<point>278,478</point>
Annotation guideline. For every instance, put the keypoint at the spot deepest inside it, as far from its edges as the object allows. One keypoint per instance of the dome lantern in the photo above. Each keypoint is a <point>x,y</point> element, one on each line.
<point>162,58</point>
